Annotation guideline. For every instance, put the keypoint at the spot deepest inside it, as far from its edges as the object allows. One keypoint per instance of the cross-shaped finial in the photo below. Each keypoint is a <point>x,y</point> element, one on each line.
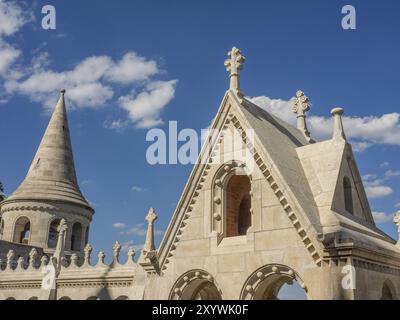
<point>300,107</point>
<point>151,216</point>
<point>301,103</point>
<point>233,65</point>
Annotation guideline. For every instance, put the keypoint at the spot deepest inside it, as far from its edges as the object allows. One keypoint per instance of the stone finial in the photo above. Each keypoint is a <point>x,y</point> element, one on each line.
<point>74,260</point>
<point>101,255</point>
<point>87,251</point>
<point>396,220</point>
<point>233,65</point>
<point>300,107</point>
<point>116,250</point>
<point>131,255</point>
<point>149,243</point>
<point>32,258</point>
<point>44,261</point>
<point>21,263</point>
<point>60,247</point>
<point>338,130</point>
<point>10,259</point>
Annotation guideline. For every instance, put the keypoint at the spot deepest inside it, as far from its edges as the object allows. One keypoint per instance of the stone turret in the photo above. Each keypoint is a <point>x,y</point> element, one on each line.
<point>49,193</point>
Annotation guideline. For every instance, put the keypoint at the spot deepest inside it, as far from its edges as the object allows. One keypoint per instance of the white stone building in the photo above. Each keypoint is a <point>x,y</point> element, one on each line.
<point>264,206</point>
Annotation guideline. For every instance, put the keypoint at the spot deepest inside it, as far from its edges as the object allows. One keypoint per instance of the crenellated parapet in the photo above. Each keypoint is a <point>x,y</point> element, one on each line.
<point>91,274</point>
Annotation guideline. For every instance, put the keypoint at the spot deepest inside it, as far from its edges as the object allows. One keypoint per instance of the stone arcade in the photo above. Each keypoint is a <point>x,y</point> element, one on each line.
<point>295,210</point>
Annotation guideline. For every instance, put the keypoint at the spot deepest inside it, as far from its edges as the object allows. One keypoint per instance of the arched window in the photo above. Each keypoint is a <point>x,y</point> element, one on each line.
<point>87,235</point>
<point>53,233</point>
<point>238,206</point>
<point>76,237</point>
<point>348,195</point>
<point>22,230</point>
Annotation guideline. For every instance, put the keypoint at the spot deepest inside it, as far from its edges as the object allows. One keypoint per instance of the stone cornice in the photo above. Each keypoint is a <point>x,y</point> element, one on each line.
<point>18,205</point>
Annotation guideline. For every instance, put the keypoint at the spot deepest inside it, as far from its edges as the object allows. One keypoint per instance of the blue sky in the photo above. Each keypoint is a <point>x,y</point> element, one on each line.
<point>172,54</point>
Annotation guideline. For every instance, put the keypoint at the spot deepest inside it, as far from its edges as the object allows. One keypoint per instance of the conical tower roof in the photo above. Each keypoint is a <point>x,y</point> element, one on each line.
<point>51,175</point>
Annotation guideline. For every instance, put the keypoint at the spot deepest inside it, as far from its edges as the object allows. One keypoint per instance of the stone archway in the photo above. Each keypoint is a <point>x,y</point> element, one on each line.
<point>195,285</point>
<point>388,291</point>
<point>265,282</point>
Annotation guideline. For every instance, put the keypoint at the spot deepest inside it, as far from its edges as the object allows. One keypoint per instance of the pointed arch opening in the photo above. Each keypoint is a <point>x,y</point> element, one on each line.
<point>195,285</point>
<point>238,205</point>
<point>76,237</point>
<point>348,195</point>
<point>274,282</point>
<point>388,291</point>
<point>53,233</point>
<point>22,230</point>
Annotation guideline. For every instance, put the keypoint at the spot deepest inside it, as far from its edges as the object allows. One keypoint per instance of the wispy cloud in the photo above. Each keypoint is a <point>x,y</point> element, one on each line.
<point>384,164</point>
<point>125,246</point>
<point>382,217</point>
<point>140,230</point>
<point>119,225</point>
<point>363,132</point>
<point>92,83</point>
<point>138,189</point>
<point>392,173</point>
<point>375,187</point>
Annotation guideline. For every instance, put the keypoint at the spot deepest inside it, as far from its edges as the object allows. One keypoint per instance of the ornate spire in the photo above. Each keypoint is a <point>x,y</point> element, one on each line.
<point>301,106</point>
<point>233,65</point>
<point>338,131</point>
<point>148,258</point>
<point>396,220</point>
<point>149,243</point>
<point>52,173</point>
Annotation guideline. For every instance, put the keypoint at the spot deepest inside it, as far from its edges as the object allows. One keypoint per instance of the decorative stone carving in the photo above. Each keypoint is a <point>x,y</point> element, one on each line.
<point>338,130</point>
<point>116,251</point>
<point>148,259</point>
<point>233,65</point>
<point>87,253</point>
<point>32,258</point>
<point>10,259</point>
<point>300,107</point>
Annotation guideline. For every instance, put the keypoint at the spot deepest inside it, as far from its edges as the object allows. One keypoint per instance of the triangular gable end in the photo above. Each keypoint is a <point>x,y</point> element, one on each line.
<point>350,189</point>
<point>230,111</point>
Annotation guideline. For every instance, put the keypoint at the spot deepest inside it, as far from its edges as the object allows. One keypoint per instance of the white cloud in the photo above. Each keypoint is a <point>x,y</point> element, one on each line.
<point>8,55</point>
<point>130,245</point>
<point>145,108</point>
<point>119,225</point>
<point>384,164</point>
<point>138,189</point>
<point>363,132</point>
<point>378,191</point>
<point>132,68</point>
<point>374,187</point>
<point>392,173</point>
<point>12,17</point>
<point>140,230</point>
<point>397,205</point>
<point>116,124</point>
<point>382,217</point>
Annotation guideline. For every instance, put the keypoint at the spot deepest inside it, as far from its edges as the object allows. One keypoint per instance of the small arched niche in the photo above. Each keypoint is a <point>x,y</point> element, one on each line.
<point>238,205</point>
<point>22,230</point>
<point>348,195</point>
<point>388,291</point>
<point>53,233</point>
<point>76,237</point>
